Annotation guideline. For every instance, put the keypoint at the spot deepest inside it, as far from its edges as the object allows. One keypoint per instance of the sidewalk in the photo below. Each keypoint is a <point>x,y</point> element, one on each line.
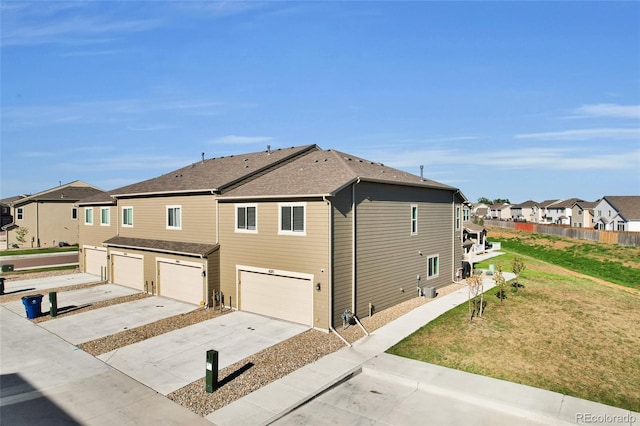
<point>280,399</point>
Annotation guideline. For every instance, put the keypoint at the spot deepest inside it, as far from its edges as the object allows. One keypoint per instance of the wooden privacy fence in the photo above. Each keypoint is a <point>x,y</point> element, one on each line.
<point>610,237</point>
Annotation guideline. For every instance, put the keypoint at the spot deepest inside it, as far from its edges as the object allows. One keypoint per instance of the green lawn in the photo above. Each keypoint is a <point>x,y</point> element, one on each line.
<point>562,332</point>
<point>19,252</point>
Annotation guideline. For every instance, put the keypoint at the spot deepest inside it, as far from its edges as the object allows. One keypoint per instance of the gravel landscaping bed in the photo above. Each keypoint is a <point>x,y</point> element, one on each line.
<point>138,334</point>
<point>275,362</point>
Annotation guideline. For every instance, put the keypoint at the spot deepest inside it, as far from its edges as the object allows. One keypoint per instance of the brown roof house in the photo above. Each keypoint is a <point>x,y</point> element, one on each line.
<point>303,234</point>
<point>49,217</point>
<point>618,213</point>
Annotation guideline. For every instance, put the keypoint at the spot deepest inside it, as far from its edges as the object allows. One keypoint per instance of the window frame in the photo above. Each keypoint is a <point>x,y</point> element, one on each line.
<point>122,222</point>
<point>292,231</point>
<point>19,213</point>
<point>414,219</point>
<point>458,218</point>
<point>108,221</point>
<point>88,216</point>
<point>74,213</point>
<point>432,275</point>
<point>167,216</point>
<point>245,207</point>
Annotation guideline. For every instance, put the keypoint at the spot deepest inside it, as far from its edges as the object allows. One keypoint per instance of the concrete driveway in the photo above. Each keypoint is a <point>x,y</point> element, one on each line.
<point>113,319</point>
<point>170,361</point>
<point>42,284</point>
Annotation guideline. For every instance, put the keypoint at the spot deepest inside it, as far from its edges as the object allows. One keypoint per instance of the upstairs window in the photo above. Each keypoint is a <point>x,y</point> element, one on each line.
<point>433,267</point>
<point>19,213</point>
<point>105,216</point>
<point>246,218</point>
<point>457,218</point>
<point>127,216</point>
<point>88,216</point>
<point>174,217</point>
<point>414,219</point>
<point>292,218</point>
<point>74,213</point>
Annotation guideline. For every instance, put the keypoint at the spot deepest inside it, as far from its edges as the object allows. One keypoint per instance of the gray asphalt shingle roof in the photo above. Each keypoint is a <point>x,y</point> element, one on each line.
<point>627,205</point>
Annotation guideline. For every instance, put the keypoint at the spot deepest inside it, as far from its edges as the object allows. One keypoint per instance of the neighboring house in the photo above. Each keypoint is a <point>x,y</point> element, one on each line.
<point>479,210</point>
<point>544,215</point>
<point>49,216</point>
<point>582,214</point>
<point>499,211</point>
<point>5,211</point>
<point>301,234</point>
<point>529,211</point>
<point>560,212</point>
<point>618,213</point>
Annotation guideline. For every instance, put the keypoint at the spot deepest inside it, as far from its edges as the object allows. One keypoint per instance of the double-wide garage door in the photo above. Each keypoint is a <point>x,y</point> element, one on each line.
<point>285,297</point>
<point>181,281</point>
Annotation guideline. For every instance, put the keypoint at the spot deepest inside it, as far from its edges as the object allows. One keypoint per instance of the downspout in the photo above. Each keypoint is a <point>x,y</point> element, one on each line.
<point>330,256</point>
<point>37,224</point>
<point>353,246</point>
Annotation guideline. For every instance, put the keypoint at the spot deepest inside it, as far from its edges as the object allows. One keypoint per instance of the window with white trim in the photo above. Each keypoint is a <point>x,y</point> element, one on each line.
<point>433,266</point>
<point>414,219</point>
<point>88,216</point>
<point>292,218</point>
<point>174,217</point>
<point>457,218</point>
<point>246,218</point>
<point>19,213</point>
<point>465,215</point>
<point>105,216</point>
<point>127,216</point>
<point>74,213</point>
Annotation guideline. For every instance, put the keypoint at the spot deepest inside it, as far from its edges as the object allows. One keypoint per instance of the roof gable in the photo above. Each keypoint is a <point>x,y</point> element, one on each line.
<point>627,206</point>
<point>214,174</point>
<point>324,173</point>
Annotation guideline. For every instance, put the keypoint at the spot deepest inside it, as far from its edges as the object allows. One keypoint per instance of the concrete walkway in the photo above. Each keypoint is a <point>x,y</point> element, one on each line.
<point>287,400</point>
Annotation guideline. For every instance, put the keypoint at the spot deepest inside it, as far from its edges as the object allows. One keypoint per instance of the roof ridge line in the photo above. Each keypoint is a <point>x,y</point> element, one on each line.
<point>340,156</point>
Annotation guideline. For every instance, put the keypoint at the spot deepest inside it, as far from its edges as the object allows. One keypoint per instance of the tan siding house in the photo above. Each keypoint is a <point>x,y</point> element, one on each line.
<point>50,216</point>
<point>302,234</point>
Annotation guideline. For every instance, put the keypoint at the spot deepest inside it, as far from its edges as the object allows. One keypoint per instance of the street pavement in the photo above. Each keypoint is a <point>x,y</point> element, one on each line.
<point>42,284</point>
<point>35,261</point>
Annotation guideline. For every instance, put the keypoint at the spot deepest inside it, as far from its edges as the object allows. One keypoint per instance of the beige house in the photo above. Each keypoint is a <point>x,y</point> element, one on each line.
<point>301,234</point>
<point>50,217</point>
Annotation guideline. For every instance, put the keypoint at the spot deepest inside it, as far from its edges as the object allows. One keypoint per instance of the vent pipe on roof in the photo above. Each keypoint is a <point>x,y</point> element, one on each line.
<point>422,172</point>
<point>203,157</point>
<point>269,149</point>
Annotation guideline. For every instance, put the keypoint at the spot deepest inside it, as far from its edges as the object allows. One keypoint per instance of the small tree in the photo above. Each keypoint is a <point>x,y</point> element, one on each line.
<point>21,233</point>
<point>476,307</point>
<point>498,278</point>
<point>517,266</point>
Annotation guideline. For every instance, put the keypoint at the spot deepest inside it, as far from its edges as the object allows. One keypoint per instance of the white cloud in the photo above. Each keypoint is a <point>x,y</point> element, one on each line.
<point>584,134</point>
<point>608,110</point>
<point>237,140</point>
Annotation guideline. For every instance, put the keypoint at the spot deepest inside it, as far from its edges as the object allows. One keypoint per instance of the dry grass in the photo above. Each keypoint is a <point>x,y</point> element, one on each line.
<point>562,332</point>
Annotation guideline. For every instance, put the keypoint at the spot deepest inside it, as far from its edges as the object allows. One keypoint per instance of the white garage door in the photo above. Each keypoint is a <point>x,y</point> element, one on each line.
<point>95,260</point>
<point>128,271</point>
<point>277,296</point>
<point>181,281</point>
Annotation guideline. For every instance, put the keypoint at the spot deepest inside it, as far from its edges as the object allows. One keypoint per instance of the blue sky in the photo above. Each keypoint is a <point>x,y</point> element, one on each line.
<point>518,100</point>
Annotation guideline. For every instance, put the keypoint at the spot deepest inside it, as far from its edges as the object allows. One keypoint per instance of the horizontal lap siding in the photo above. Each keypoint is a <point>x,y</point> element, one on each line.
<point>267,249</point>
<point>342,254</point>
<point>388,256</point>
<point>96,234</point>
<point>150,218</point>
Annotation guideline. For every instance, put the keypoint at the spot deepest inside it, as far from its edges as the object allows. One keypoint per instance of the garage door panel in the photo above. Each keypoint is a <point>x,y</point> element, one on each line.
<point>277,296</point>
<point>128,271</point>
<point>94,261</point>
<point>181,282</point>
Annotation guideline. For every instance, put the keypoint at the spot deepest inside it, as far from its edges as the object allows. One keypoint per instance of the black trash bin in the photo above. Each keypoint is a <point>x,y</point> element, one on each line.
<point>1,285</point>
<point>32,305</point>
